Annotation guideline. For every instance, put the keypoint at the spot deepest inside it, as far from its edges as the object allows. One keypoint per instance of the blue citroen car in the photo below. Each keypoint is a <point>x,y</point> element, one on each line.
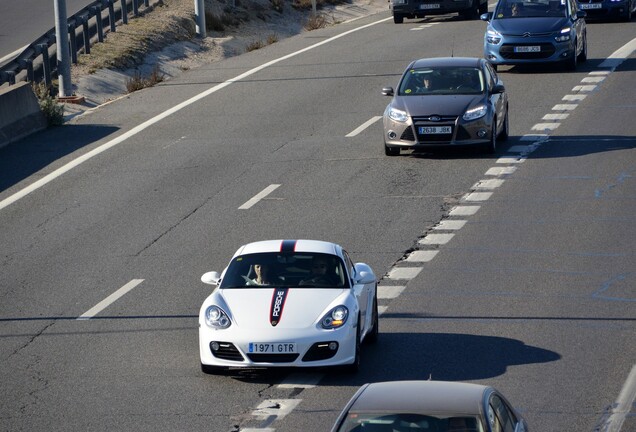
<point>535,31</point>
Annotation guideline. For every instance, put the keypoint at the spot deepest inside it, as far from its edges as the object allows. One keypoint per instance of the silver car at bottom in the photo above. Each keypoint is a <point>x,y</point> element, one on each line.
<point>446,101</point>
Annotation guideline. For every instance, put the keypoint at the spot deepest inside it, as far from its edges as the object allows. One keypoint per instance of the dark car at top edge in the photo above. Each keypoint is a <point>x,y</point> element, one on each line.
<point>446,102</point>
<point>467,9</point>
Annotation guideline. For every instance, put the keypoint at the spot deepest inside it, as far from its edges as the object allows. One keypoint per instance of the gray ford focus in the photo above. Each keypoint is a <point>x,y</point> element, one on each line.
<point>446,101</point>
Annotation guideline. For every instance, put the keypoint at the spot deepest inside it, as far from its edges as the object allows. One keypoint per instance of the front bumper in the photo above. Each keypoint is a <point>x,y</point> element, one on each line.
<point>312,347</point>
<point>509,51</point>
<point>463,133</point>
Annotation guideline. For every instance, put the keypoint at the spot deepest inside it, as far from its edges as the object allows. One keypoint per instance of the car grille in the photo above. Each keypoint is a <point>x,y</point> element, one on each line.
<point>508,52</point>
<point>434,138</point>
<point>273,358</point>
<point>319,351</point>
<point>227,351</point>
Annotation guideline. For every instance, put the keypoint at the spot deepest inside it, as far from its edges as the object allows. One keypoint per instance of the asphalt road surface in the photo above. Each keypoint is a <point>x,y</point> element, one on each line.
<point>524,280</point>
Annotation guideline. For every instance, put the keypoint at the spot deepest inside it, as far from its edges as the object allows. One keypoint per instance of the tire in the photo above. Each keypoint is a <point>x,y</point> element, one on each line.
<point>572,62</point>
<point>583,55</point>
<point>355,366</point>
<point>372,336</point>
<point>491,147</point>
<point>505,132</point>
<point>398,19</point>
<point>391,151</point>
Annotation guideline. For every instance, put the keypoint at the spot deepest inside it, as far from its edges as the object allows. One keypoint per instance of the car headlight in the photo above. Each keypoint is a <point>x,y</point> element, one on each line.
<point>398,115</point>
<point>493,37</point>
<point>335,318</point>
<point>475,113</point>
<point>215,317</point>
<point>564,35</point>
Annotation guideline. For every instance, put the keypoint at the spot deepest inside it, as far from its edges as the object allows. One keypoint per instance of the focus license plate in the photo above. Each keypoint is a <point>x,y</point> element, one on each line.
<point>429,6</point>
<point>427,130</point>
<point>527,49</point>
<point>272,348</point>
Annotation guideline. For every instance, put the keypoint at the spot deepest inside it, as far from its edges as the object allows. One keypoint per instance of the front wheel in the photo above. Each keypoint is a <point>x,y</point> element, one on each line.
<point>491,147</point>
<point>397,18</point>
<point>583,55</point>
<point>355,366</point>
<point>372,336</point>
<point>572,62</point>
<point>505,132</point>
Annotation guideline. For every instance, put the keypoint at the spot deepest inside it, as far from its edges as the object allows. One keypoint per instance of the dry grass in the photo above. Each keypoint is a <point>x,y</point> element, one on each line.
<point>138,82</point>
<point>316,21</point>
<point>258,44</point>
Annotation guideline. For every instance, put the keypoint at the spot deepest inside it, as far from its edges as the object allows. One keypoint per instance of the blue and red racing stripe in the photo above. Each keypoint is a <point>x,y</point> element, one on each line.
<point>278,303</point>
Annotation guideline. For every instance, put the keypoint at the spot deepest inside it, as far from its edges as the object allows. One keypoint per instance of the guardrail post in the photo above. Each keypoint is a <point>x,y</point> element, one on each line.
<point>28,65</point>
<point>111,14</point>
<point>73,41</point>
<point>135,8</point>
<point>46,63</point>
<point>98,20</point>
<point>199,15</point>
<point>124,12</point>
<point>86,34</point>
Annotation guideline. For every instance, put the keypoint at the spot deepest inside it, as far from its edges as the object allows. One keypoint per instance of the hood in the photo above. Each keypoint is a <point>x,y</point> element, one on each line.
<point>519,26</point>
<point>285,308</point>
<point>442,105</point>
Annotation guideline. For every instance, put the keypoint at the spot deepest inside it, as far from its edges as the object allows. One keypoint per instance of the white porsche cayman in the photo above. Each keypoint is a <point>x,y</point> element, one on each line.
<point>288,303</point>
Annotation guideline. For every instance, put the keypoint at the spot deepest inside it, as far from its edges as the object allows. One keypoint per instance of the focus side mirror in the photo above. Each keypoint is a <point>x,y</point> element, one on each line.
<point>387,91</point>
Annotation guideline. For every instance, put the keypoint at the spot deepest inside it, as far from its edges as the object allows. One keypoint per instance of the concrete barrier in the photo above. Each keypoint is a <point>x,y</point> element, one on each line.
<point>20,113</point>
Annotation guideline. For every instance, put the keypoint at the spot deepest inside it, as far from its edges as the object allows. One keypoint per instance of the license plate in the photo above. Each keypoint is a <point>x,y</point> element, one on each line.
<point>527,49</point>
<point>429,6</point>
<point>590,6</point>
<point>272,348</point>
<point>427,130</point>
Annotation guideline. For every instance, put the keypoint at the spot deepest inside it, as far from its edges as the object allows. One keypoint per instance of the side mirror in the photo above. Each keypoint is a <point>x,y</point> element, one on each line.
<point>581,14</point>
<point>486,17</point>
<point>387,91</point>
<point>364,274</point>
<point>498,88</point>
<point>211,278</point>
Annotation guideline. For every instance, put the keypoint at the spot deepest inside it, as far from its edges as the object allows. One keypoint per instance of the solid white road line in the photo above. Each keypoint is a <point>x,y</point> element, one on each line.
<point>363,126</point>
<point>58,172</point>
<point>623,405</point>
<point>109,300</point>
<point>259,196</point>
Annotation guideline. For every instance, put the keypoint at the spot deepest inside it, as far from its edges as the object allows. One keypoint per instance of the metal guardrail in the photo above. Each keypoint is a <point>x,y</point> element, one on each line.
<point>38,61</point>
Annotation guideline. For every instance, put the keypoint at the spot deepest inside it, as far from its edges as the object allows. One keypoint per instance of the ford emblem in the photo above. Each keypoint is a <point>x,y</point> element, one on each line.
<point>435,118</point>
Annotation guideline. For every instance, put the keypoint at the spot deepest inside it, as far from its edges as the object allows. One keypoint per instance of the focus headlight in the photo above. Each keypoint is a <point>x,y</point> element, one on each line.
<point>475,113</point>
<point>564,35</point>
<point>398,115</point>
<point>335,318</point>
<point>493,37</point>
<point>215,317</point>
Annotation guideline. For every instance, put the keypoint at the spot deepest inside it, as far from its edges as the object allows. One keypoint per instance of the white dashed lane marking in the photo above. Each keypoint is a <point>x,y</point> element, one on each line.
<point>389,291</point>
<point>447,224</point>
<point>403,273</point>
<point>259,196</point>
<point>464,210</point>
<point>110,300</point>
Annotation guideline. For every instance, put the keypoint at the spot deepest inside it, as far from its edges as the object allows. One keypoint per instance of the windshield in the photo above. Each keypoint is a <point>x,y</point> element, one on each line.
<point>362,422</point>
<point>530,9</point>
<point>286,269</point>
<point>442,80</point>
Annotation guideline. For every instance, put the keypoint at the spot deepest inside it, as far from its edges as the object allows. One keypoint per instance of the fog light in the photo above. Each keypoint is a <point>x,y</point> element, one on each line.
<point>492,57</point>
<point>392,135</point>
<point>481,133</point>
<point>333,346</point>
<point>215,346</point>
